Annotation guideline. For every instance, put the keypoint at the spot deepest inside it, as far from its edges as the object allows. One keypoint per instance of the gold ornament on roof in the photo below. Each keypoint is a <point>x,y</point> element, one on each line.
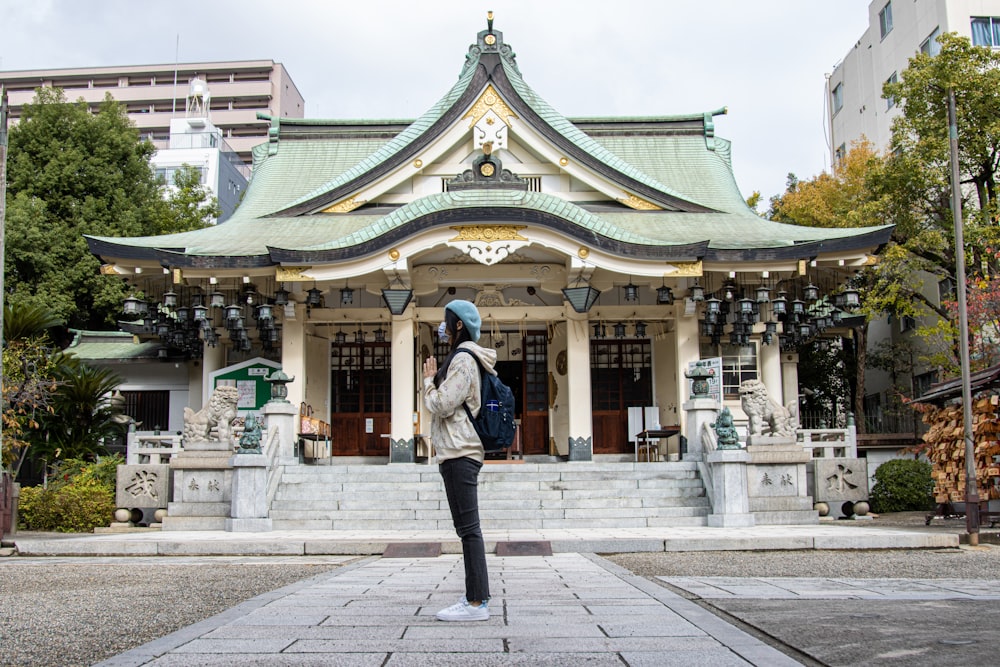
<point>490,99</point>
<point>345,205</point>
<point>489,233</point>
<point>686,269</point>
<point>639,204</point>
<point>394,254</point>
<point>291,274</point>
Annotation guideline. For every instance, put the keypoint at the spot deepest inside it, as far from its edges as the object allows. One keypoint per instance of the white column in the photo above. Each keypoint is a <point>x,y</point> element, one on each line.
<point>687,350</point>
<point>293,353</point>
<point>212,360</point>
<point>789,377</point>
<point>403,389</point>
<point>770,371</point>
<point>581,420</point>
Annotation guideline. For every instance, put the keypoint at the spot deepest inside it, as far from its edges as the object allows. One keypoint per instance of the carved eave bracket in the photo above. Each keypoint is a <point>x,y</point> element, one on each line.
<point>488,244</point>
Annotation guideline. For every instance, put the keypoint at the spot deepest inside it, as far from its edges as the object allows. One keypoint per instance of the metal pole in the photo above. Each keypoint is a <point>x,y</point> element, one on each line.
<point>971,489</point>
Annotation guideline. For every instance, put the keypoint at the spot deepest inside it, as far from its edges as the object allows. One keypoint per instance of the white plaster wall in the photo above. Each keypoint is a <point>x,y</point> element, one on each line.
<point>558,410</point>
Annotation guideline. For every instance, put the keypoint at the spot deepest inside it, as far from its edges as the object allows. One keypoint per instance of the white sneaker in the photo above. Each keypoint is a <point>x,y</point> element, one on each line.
<point>463,611</point>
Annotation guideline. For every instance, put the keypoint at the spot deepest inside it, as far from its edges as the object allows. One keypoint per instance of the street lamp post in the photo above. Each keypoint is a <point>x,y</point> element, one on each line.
<point>971,488</point>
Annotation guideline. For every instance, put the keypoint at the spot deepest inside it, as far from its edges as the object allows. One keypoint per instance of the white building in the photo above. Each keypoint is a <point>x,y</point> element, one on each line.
<point>196,141</point>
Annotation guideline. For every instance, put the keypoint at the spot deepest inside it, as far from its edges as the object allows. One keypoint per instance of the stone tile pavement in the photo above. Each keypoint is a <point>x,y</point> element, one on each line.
<point>807,588</point>
<point>565,609</point>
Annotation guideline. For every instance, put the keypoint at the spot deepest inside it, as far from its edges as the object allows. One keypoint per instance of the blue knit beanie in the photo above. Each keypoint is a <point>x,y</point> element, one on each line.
<point>467,312</point>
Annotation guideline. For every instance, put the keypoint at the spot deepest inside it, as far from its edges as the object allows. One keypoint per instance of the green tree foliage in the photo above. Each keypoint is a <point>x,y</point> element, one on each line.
<point>190,205</point>
<point>72,172</point>
<point>82,414</point>
<point>902,485</point>
<point>28,377</point>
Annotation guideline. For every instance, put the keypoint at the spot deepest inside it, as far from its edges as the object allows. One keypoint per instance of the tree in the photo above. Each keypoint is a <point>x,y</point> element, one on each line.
<point>843,197</point>
<point>190,205</point>
<point>82,414</point>
<point>72,172</point>
<point>28,378</point>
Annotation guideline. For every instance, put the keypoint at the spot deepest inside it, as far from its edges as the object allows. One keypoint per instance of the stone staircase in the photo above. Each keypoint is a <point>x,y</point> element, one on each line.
<point>527,495</point>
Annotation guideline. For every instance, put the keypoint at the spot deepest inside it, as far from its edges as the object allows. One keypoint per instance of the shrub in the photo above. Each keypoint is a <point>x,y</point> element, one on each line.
<point>902,485</point>
<point>80,498</point>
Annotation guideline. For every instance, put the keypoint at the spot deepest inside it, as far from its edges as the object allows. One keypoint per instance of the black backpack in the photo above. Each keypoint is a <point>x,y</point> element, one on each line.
<point>495,423</point>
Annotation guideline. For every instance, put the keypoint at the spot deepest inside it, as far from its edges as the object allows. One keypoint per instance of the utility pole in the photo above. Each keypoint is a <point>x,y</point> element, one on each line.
<point>971,488</point>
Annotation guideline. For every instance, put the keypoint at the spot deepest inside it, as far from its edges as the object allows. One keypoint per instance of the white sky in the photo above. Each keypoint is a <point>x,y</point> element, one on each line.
<point>763,59</point>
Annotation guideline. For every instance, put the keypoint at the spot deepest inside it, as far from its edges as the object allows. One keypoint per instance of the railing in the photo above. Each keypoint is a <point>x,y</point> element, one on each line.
<point>271,450</point>
<point>150,448</point>
<point>825,443</point>
<point>903,421</point>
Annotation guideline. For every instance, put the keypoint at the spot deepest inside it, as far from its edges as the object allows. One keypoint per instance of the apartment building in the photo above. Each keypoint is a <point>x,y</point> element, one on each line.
<point>897,29</point>
<point>155,94</point>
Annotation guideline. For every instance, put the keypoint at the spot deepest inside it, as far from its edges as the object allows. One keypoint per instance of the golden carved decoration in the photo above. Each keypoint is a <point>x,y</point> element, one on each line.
<point>489,233</point>
<point>583,253</point>
<point>291,274</point>
<point>871,260</point>
<point>686,269</point>
<point>563,161</point>
<point>418,163</point>
<point>487,101</point>
<point>486,169</point>
<point>178,277</point>
<point>639,204</point>
<point>345,205</point>
<point>394,254</point>
<point>108,270</point>
<point>490,39</point>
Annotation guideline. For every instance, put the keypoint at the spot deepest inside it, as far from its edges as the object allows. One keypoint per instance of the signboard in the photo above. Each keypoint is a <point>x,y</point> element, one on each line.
<point>714,366</point>
<point>249,379</point>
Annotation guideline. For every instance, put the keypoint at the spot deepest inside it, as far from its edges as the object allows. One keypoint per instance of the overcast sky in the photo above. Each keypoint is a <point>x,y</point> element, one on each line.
<point>763,59</point>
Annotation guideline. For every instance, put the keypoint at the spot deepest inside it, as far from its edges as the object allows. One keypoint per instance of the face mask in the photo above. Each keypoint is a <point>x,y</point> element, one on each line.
<point>442,333</point>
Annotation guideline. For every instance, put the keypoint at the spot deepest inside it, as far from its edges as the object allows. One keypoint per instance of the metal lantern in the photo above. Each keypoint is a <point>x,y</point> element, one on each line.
<point>200,313</point>
<point>346,296</point>
<point>665,295</point>
<point>170,299</point>
<point>780,304</point>
<point>707,328</point>
<point>852,299</point>
<point>697,292</point>
<point>340,338</point>
<point>745,306</point>
<point>729,291</point>
<point>640,329</point>
<point>380,335</point>
<point>131,306</point>
<point>770,327</point>
<point>278,382</point>
<point>314,297</point>
<point>763,294</point>
<point>713,305</point>
<point>233,312</point>
<point>359,336</point>
<point>265,312</point>
<point>619,330</point>
<point>217,300</point>
<point>631,292</point>
<point>281,297</point>
<point>599,330</point>
<point>805,330</point>
<point>810,292</point>
<point>699,380</point>
<point>798,306</point>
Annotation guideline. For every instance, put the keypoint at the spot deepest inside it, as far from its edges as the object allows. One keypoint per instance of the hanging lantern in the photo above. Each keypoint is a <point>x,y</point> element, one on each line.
<point>264,312</point>
<point>380,335</point>
<point>599,330</point>
<point>852,299</point>
<point>770,327</point>
<point>805,330</point>
<point>697,292</point>
<point>359,336</point>
<point>131,306</point>
<point>798,306</point>
<point>745,306</point>
<point>346,296</point>
<point>340,338</point>
<point>619,330</point>
<point>713,305</point>
<point>810,292</point>
<point>197,299</point>
<point>170,299</point>
<point>780,304</point>
<point>729,292</point>
<point>837,316</point>
<point>314,297</point>
<point>631,291</point>
<point>217,300</point>
<point>182,313</point>
<point>281,297</point>
<point>200,313</point>
<point>233,312</point>
<point>640,329</point>
<point>707,328</point>
<point>763,294</point>
<point>665,295</point>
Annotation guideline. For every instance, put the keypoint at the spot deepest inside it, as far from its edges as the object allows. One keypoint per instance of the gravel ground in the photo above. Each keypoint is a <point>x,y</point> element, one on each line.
<point>81,611</point>
<point>78,611</point>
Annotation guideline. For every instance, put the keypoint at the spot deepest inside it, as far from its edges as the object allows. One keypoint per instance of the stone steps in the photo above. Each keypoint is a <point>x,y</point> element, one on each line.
<point>619,494</point>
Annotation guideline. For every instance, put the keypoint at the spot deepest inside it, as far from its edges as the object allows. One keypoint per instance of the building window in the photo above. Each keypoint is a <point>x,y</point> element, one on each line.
<point>837,97</point>
<point>841,152</point>
<point>885,20</point>
<point>930,45</point>
<point>923,382</point>
<point>621,374</point>
<point>946,290</point>
<point>986,31</point>
<point>149,409</point>
<point>907,323</point>
<point>890,101</point>
<point>739,363</point>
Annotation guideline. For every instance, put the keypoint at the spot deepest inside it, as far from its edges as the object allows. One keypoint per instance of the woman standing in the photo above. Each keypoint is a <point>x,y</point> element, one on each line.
<point>459,450</point>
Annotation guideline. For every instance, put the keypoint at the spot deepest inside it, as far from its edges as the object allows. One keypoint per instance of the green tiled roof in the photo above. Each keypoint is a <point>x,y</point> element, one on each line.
<point>110,346</point>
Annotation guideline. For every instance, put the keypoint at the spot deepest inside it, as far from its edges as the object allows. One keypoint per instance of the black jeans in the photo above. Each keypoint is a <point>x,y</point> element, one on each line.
<point>461,477</point>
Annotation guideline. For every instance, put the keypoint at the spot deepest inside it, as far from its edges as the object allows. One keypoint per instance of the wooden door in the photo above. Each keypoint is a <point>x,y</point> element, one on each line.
<point>360,388</point>
<point>621,377</point>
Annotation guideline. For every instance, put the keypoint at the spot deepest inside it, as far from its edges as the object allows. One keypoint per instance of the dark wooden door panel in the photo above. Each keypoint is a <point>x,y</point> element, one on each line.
<point>609,433</point>
<point>535,433</point>
<point>346,431</point>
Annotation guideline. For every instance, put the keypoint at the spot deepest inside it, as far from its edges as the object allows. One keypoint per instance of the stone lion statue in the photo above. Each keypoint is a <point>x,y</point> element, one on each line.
<point>217,416</point>
<point>762,411</point>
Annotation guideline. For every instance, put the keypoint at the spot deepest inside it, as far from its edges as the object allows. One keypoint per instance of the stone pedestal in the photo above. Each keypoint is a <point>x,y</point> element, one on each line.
<point>698,412</point>
<point>282,415</point>
<point>249,508</point>
<point>776,481</point>
<point>202,487</point>
<point>730,503</point>
<point>840,480</point>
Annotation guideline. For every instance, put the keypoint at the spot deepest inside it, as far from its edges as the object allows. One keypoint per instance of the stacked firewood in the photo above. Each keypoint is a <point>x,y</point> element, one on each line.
<point>944,446</point>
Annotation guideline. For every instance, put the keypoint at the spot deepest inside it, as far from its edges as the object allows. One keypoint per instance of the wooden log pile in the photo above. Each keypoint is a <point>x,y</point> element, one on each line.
<point>944,446</point>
